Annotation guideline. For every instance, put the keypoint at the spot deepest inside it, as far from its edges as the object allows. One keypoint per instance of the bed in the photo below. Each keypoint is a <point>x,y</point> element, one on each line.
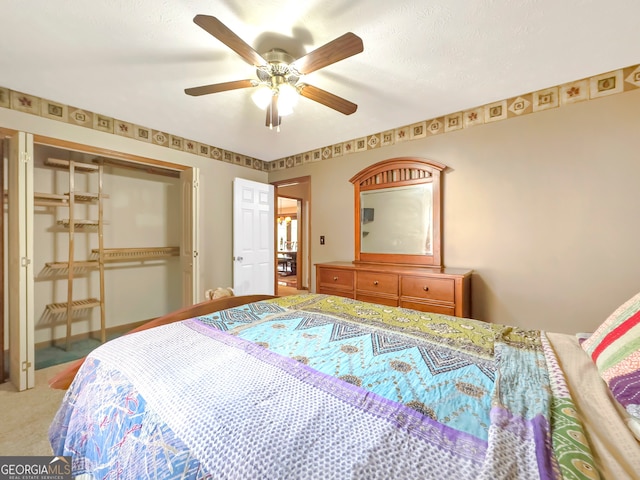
<point>319,386</point>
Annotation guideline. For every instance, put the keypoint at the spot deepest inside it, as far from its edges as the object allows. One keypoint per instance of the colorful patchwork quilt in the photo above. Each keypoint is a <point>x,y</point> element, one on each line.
<point>316,386</point>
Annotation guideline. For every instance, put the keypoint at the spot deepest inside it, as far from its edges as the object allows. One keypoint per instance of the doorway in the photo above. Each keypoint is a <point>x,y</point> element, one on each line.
<point>292,234</point>
<point>288,239</point>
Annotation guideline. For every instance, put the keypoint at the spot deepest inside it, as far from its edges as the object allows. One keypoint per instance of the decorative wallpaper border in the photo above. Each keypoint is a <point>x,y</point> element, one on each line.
<point>605,84</point>
<point>602,85</point>
<point>26,103</point>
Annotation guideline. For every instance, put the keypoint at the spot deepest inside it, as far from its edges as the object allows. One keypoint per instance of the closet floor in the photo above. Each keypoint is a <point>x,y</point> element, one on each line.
<point>54,355</point>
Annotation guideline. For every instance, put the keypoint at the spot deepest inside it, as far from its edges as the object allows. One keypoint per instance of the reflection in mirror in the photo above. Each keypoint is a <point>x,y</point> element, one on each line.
<point>397,212</point>
<point>397,220</point>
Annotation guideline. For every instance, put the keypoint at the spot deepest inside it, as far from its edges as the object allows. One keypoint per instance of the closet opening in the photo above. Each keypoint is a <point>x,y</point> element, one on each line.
<point>109,233</point>
<point>106,255</point>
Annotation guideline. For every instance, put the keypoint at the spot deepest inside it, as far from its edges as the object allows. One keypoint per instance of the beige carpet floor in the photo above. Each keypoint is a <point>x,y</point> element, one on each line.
<point>284,290</point>
<point>25,416</point>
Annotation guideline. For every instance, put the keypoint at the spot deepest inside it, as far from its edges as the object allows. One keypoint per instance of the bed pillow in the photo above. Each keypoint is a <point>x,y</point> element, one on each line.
<point>615,349</point>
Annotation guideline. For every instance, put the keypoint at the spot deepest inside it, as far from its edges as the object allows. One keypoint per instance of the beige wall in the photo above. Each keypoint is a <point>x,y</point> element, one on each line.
<point>544,208</point>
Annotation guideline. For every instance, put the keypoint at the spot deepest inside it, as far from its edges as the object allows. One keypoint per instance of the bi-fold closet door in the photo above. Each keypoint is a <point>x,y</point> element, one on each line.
<point>20,252</point>
<point>150,247</point>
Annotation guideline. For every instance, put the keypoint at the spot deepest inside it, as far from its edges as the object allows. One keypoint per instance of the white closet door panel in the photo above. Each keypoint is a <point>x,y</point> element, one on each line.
<point>21,318</point>
<point>189,247</point>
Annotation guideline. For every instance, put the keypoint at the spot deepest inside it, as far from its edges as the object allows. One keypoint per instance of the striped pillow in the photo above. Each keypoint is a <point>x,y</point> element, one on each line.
<point>615,349</point>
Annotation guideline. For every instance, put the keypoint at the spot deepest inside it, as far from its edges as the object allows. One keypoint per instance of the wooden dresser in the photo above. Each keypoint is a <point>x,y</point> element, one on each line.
<point>428,289</point>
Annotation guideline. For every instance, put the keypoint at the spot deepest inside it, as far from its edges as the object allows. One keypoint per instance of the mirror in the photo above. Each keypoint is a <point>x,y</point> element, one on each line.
<point>397,220</point>
<point>397,212</point>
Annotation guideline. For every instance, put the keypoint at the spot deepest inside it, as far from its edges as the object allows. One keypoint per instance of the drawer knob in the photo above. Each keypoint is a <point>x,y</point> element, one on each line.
<point>425,288</point>
<point>335,278</point>
<point>375,282</point>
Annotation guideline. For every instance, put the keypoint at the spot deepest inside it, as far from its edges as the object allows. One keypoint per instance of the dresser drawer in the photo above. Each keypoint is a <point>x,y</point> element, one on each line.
<point>377,282</point>
<point>335,278</point>
<point>440,289</point>
<point>389,301</point>
<point>429,307</point>
<point>336,292</point>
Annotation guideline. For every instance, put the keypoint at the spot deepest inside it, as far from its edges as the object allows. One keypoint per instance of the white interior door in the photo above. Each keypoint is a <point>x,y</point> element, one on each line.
<point>189,247</point>
<point>20,239</point>
<point>253,238</point>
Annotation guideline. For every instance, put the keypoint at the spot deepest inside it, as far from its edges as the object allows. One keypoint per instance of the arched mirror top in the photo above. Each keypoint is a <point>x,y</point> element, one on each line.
<point>397,206</point>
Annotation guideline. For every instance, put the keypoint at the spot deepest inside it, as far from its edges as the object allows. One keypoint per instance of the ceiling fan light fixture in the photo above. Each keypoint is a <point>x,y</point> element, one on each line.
<point>262,97</point>
<point>279,74</point>
<point>287,99</point>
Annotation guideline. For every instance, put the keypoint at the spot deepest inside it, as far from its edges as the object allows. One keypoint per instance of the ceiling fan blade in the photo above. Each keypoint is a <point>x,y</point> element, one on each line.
<point>328,99</point>
<point>220,31</point>
<point>273,119</point>
<point>342,47</point>
<point>218,87</point>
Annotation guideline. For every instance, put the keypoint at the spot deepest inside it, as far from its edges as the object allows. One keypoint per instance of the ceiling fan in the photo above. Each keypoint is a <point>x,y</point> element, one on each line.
<point>279,73</point>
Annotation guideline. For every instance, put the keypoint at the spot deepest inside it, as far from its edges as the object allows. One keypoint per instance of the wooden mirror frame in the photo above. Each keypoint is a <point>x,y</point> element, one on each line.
<point>400,172</point>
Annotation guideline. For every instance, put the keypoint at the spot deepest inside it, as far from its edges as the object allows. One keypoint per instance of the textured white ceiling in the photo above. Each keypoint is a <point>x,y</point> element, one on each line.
<point>132,60</point>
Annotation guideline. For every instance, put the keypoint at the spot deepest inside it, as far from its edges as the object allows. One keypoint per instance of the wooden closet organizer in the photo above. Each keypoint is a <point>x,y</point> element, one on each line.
<point>133,254</point>
<point>98,257</point>
<point>69,200</point>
